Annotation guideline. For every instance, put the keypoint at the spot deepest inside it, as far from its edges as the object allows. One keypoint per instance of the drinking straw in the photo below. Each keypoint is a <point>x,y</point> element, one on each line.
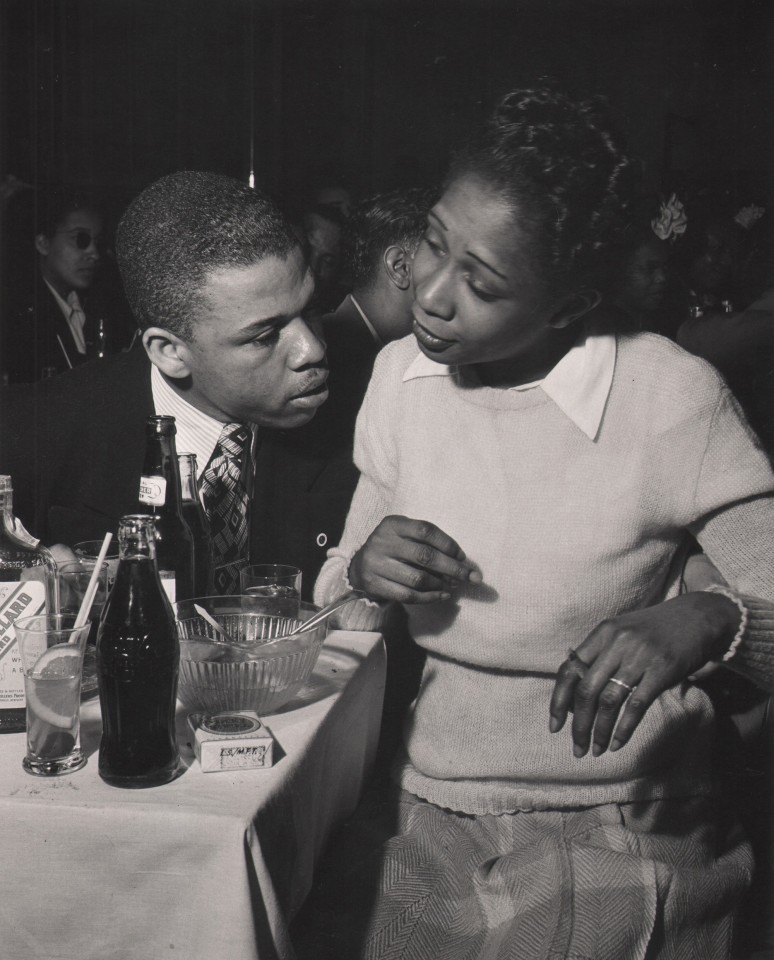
<point>213,623</point>
<point>88,597</point>
<point>69,363</point>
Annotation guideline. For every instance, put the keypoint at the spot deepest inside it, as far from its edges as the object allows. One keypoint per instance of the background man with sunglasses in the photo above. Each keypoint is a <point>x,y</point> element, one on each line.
<point>50,319</point>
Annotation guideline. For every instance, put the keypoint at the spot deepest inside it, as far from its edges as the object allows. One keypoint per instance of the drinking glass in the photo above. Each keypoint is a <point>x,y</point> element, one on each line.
<point>276,585</point>
<point>52,648</point>
<point>74,579</point>
<point>89,550</point>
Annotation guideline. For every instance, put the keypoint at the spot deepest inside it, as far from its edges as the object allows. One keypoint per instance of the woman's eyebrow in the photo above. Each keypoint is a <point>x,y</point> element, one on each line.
<point>487,265</point>
<point>432,214</point>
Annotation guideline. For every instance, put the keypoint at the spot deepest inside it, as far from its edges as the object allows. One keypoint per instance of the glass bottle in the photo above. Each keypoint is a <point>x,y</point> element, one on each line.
<point>138,656</point>
<point>161,498</point>
<point>196,518</point>
<point>19,551</point>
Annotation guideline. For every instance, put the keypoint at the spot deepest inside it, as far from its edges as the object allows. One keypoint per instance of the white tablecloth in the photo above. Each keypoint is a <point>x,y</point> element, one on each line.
<point>210,867</point>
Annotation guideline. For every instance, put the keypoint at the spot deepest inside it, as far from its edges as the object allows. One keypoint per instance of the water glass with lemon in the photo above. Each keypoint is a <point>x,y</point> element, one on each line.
<point>52,649</point>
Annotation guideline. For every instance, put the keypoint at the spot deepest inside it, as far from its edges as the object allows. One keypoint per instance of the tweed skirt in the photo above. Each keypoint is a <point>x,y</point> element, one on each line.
<point>406,880</point>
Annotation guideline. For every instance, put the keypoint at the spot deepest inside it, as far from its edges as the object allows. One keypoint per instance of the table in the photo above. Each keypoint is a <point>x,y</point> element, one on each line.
<point>212,866</point>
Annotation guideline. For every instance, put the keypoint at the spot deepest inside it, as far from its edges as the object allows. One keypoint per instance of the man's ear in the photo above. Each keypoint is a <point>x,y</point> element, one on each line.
<point>42,244</point>
<point>167,351</point>
<point>574,307</point>
<point>397,264</point>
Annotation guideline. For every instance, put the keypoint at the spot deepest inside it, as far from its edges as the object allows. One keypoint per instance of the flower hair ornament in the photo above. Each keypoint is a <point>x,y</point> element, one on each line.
<point>671,221</point>
<point>749,216</point>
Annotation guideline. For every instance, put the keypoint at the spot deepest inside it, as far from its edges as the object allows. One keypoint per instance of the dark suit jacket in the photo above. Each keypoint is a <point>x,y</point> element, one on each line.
<point>32,321</point>
<point>351,350</point>
<point>74,447</point>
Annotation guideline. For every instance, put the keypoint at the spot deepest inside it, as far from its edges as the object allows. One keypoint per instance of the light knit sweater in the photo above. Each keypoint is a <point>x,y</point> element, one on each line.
<point>566,531</point>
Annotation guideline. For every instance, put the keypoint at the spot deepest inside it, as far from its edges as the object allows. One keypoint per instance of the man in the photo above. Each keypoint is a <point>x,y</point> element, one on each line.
<point>46,326</point>
<point>322,226</point>
<point>218,284</point>
<point>381,238</point>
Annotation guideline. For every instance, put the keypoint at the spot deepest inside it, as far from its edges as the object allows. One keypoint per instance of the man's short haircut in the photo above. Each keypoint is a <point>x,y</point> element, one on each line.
<point>395,218</point>
<point>181,228</point>
<point>55,202</point>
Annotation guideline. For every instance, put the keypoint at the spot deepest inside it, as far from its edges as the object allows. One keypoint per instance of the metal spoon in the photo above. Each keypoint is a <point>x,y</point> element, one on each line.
<point>321,615</point>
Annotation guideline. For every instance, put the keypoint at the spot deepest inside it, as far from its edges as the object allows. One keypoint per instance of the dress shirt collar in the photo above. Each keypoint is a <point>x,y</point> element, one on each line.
<point>366,321</point>
<point>196,432</point>
<point>579,384</point>
<point>63,305</point>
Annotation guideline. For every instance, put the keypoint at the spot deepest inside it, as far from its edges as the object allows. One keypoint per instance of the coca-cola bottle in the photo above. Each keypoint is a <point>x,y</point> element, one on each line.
<point>198,524</point>
<point>138,656</point>
<point>19,597</point>
<point>161,497</point>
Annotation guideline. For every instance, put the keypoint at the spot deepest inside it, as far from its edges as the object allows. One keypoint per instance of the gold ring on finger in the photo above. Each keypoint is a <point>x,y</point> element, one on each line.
<point>621,683</point>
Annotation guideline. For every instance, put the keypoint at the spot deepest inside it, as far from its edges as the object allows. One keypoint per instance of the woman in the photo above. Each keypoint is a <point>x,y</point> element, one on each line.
<point>644,254</point>
<point>529,482</point>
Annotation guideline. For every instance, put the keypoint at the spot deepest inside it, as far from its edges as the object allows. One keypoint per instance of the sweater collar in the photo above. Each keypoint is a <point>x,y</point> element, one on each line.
<point>579,384</point>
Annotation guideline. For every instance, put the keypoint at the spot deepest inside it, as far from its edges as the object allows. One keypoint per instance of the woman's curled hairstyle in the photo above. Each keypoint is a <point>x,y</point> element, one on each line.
<point>564,169</point>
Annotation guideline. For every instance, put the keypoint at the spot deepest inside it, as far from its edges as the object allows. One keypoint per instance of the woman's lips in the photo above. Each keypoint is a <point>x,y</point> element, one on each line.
<point>428,340</point>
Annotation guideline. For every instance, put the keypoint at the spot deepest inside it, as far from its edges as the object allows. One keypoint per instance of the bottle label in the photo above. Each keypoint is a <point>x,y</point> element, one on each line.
<point>17,599</point>
<point>153,491</point>
<point>167,578</point>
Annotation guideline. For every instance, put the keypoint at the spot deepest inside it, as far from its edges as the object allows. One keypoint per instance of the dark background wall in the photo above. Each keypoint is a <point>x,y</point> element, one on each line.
<point>114,93</point>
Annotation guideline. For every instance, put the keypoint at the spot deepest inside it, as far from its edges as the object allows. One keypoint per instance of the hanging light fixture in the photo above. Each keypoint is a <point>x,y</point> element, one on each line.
<point>251,176</point>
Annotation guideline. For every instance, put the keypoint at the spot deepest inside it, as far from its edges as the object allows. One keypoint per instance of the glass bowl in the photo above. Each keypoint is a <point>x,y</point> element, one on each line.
<point>249,673</point>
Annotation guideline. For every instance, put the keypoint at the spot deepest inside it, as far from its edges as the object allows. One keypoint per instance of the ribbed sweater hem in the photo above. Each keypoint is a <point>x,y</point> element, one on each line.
<point>481,797</point>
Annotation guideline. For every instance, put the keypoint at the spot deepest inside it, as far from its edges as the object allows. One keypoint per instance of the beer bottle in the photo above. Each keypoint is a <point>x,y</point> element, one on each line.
<point>161,498</point>
<point>199,525</point>
<point>18,598</point>
<point>138,655</point>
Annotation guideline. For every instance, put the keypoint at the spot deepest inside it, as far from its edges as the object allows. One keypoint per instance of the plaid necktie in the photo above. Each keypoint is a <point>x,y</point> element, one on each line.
<point>225,487</point>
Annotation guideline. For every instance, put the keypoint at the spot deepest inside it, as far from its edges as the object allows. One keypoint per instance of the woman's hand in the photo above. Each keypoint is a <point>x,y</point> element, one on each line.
<point>646,651</point>
<point>410,561</point>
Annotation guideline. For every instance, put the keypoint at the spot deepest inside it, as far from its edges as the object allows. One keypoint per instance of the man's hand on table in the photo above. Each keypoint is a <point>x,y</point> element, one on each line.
<point>647,652</point>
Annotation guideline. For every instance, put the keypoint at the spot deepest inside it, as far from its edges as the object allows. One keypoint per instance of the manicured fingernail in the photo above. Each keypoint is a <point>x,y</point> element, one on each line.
<point>596,750</point>
<point>553,725</point>
<point>579,751</point>
<point>615,745</point>
<point>475,576</point>
<point>445,596</point>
